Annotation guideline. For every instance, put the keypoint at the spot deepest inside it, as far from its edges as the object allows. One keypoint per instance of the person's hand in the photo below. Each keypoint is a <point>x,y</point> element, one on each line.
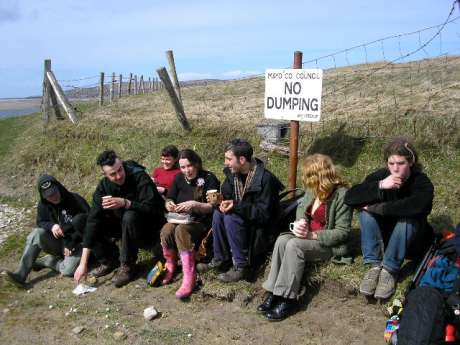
<point>186,206</point>
<point>161,190</point>
<point>81,273</point>
<point>170,206</point>
<point>226,206</point>
<point>312,236</point>
<point>301,230</point>
<point>67,252</point>
<point>391,182</point>
<point>57,231</point>
<point>113,203</point>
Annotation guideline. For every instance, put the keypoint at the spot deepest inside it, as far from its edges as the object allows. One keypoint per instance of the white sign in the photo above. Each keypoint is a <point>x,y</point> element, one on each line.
<point>293,94</point>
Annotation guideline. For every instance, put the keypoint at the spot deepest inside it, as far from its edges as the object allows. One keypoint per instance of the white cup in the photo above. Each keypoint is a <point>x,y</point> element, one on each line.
<point>294,226</point>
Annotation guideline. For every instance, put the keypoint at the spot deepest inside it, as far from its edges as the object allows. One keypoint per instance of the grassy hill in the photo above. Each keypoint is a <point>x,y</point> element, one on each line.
<point>363,107</point>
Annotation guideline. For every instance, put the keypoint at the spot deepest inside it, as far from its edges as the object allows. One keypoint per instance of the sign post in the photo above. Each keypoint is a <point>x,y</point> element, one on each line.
<point>293,94</point>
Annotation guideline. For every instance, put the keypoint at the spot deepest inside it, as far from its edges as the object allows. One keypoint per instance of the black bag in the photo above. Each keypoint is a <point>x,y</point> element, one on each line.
<point>424,318</point>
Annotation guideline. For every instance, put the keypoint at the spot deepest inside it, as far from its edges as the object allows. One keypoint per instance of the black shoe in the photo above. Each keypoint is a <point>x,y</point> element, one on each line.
<point>15,279</point>
<point>281,310</point>
<point>267,304</point>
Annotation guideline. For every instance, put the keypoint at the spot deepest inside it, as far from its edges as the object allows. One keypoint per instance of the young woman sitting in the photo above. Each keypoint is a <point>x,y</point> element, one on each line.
<point>320,232</point>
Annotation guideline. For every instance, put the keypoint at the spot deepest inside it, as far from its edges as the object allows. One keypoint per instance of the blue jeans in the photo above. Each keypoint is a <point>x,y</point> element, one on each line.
<point>230,238</point>
<point>399,232</point>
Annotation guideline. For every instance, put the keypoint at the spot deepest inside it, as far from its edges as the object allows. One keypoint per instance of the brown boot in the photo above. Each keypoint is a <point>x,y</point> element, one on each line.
<point>124,275</point>
<point>104,269</point>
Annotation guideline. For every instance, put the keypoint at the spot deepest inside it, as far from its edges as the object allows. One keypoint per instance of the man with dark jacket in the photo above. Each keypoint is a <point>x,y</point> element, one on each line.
<point>127,206</point>
<point>250,201</point>
<point>61,217</point>
<point>393,204</point>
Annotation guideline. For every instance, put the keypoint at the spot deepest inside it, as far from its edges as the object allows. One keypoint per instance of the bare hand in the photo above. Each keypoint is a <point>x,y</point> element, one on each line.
<point>57,231</point>
<point>226,206</point>
<point>113,203</point>
<point>391,182</point>
<point>67,252</point>
<point>170,206</point>
<point>81,273</point>
<point>186,206</point>
<point>161,190</point>
<point>301,230</point>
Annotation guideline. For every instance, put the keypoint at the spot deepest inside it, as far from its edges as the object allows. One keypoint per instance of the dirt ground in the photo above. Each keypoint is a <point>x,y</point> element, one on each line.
<point>48,313</point>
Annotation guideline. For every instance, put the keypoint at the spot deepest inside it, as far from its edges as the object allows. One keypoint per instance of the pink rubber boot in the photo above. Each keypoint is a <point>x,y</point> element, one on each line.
<point>171,264</point>
<point>189,278</point>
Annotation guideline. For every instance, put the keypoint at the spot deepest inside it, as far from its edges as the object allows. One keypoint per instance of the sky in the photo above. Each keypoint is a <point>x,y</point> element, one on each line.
<point>209,38</point>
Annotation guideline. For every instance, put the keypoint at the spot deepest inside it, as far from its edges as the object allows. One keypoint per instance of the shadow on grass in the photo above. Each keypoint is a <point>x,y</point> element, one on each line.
<point>341,147</point>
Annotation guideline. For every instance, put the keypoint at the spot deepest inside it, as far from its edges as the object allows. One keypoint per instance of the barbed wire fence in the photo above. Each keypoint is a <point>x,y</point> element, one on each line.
<point>391,86</point>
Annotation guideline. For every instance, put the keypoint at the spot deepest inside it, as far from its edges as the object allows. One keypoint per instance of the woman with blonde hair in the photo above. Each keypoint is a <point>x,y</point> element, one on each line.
<point>320,232</point>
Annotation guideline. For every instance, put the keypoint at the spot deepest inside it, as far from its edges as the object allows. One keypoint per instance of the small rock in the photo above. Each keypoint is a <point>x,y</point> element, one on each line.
<point>150,313</point>
<point>6,311</point>
<point>189,335</point>
<point>67,314</point>
<point>91,280</point>
<point>78,330</point>
<point>50,306</point>
<point>119,335</point>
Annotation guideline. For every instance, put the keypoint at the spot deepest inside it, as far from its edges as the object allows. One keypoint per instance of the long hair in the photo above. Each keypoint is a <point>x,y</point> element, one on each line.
<point>192,157</point>
<point>401,146</point>
<point>320,175</point>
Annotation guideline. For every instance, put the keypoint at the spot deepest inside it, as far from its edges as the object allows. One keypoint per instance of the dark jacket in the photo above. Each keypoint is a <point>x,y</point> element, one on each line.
<point>259,208</point>
<point>138,188</point>
<point>49,214</point>
<point>260,202</point>
<point>413,200</point>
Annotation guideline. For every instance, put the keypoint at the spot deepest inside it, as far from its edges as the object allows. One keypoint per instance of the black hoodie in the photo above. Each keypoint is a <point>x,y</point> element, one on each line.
<point>70,205</point>
<point>138,188</point>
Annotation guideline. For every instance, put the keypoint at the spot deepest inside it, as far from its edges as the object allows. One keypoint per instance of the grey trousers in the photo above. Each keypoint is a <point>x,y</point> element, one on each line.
<point>40,239</point>
<point>288,264</point>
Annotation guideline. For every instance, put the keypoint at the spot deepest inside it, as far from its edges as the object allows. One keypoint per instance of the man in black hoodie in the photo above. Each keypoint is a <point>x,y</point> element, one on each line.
<point>61,218</point>
<point>393,204</point>
<point>250,194</point>
<point>127,206</point>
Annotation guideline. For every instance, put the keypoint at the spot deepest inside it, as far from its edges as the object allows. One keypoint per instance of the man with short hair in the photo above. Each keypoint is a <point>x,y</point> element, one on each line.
<point>61,218</point>
<point>250,200</point>
<point>126,206</point>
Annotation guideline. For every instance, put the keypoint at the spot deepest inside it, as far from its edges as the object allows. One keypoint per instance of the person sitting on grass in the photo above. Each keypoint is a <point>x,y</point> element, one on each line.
<point>126,206</point>
<point>163,176</point>
<point>61,219</point>
<point>187,196</point>
<point>393,204</point>
<point>250,201</point>
<point>321,231</point>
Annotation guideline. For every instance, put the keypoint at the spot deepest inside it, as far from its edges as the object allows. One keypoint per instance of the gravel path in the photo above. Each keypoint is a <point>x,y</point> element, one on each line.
<point>11,220</point>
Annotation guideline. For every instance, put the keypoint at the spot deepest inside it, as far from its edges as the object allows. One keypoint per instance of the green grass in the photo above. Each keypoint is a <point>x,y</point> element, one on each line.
<point>357,121</point>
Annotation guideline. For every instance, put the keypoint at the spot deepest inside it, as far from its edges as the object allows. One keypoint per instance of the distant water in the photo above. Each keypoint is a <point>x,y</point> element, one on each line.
<point>18,112</point>
<point>18,107</point>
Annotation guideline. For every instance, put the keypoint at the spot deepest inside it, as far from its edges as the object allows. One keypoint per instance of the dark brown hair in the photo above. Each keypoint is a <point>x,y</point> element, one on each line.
<point>402,147</point>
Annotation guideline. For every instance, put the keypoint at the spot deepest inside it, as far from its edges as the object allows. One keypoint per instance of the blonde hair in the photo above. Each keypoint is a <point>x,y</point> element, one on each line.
<point>320,175</point>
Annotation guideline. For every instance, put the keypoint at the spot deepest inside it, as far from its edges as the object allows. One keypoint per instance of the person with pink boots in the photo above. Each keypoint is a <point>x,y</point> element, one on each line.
<point>189,218</point>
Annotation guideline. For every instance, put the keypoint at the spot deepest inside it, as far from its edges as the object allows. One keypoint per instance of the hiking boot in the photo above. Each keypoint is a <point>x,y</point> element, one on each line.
<point>386,285</point>
<point>123,276</point>
<point>15,279</point>
<point>214,264</point>
<point>369,282</point>
<point>234,274</point>
<point>104,269</point>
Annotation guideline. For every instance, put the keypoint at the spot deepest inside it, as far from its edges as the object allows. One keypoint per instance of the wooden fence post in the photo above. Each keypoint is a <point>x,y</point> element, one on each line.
<point>112,88</point>
<point>172,72</point>
<point>120,85</point>
<point>130,83</point>
<point>150,85</point>
<point>46,94</point>
<point>141,84</point>
<point>136,90</point>
<point>61,97</point>
<point>163,74</point>
<point>101,89</point>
